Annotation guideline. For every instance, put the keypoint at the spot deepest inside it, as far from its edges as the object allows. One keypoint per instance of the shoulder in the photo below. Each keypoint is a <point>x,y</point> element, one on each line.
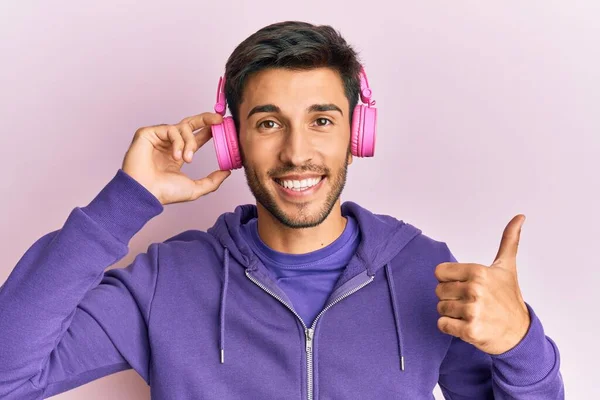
<point>428,250</point>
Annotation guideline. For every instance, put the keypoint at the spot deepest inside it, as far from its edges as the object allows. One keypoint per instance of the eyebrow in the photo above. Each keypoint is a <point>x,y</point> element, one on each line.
<point>266,108</point>
<point>324,107</point>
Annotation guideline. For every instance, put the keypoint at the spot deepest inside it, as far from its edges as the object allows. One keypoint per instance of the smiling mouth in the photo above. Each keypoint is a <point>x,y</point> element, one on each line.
<point>299,185</point>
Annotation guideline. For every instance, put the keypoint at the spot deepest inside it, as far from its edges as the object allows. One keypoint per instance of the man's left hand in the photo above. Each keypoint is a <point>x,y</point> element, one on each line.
<point>483,305</point>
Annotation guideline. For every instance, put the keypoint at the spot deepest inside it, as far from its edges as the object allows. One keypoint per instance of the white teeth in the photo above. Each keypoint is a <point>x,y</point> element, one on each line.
<point>299,185</point>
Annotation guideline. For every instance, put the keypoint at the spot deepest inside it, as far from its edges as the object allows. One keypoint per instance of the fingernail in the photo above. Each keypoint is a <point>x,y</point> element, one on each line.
<point>178,154</point>
<point>190,154</point>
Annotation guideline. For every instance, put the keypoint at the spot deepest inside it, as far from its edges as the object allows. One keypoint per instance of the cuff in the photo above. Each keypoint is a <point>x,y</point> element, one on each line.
<point>123,207</point>
<point>531,360</point>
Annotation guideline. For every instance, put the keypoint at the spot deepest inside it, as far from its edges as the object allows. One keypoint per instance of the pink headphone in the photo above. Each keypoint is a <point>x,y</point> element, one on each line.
<point>364,123</point>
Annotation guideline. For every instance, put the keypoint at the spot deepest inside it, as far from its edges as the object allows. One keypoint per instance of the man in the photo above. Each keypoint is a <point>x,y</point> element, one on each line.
<point>298,297</point>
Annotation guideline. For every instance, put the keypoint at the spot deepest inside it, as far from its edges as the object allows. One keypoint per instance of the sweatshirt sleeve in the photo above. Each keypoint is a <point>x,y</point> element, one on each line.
<point>64,321</point>
<point>530,370</point>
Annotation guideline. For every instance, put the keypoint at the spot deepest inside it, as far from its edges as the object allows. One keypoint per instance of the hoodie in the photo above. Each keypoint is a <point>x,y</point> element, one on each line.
<point>199,317</point>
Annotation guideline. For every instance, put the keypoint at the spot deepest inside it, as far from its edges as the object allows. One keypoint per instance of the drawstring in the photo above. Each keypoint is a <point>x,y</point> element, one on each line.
<point>390,281</point>
<point>222,312</point>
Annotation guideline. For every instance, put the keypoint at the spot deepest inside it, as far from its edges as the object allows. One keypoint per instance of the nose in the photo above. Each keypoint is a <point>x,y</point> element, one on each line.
<point>296,147</point>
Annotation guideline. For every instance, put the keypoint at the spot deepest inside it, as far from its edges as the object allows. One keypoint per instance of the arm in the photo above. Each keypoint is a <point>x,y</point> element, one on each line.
<point>63,320</point>
<point>530,370</point>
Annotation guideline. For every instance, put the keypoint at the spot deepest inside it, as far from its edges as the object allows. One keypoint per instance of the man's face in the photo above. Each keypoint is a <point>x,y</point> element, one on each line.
<point>295,141</point>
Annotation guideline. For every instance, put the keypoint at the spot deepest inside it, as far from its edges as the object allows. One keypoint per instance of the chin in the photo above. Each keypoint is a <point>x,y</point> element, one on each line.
<point>300,216</point>
<point>299,220</point>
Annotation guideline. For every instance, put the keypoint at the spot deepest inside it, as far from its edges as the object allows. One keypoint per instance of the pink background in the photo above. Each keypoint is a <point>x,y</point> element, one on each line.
<point>487,109</point>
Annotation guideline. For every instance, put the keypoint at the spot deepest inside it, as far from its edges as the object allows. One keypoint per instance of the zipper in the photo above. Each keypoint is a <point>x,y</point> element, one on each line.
<point>309,332</point>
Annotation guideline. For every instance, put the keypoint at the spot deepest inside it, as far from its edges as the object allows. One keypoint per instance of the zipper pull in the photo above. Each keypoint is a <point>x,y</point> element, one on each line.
<point>309,338</point>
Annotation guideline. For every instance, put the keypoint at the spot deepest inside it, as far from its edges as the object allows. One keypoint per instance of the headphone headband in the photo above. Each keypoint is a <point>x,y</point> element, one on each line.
<point>220,105</point>
<point>365,92</point>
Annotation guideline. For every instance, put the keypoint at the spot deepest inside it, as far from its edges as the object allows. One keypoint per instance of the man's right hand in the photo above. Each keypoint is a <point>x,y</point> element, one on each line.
<point>157,154</point>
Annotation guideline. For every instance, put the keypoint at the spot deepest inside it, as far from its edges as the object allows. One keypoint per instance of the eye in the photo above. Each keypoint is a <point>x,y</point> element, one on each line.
<point>268,124</point>
<point>323,121</point>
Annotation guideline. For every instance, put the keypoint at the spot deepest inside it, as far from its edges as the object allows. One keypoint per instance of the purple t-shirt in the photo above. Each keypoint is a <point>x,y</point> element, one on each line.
<point>309,278</point>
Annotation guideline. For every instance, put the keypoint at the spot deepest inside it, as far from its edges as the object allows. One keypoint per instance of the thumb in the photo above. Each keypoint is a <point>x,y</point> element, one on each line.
<point>210,183</point>
<point>510,239</point>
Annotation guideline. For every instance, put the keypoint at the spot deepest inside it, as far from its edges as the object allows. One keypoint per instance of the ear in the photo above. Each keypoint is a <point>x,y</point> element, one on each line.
<point>350,158</point>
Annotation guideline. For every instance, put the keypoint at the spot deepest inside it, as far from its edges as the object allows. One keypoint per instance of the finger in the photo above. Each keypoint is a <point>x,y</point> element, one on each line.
<point>190,142</point>
<point>199,121</point>
<point>451,271</point>
<point>452,326</point>
<point>454,290</point>
<point>210,183</point>
<point>510,239</point>
<point>176,140</point>
<point>202,136</point>
<point>452,308</point>
<point>156,131</point>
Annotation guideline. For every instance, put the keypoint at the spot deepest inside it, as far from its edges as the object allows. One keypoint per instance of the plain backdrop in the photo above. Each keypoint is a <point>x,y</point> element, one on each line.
<point>486,110</point>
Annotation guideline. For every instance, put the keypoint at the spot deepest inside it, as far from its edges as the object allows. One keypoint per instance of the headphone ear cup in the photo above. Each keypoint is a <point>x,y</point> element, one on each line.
<point>226,145</point>
<point>364,126</point>
<point>232,142</point>
<point>355,130</point>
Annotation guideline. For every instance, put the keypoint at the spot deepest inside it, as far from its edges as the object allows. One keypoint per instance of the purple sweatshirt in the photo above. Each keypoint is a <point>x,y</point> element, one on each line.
<point>198,317</point>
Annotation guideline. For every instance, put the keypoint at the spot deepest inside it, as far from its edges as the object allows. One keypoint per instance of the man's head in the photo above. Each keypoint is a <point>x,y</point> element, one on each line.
<point>291,88</point>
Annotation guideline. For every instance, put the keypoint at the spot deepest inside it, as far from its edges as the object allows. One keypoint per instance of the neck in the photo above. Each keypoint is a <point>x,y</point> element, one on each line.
<point>300,241</point>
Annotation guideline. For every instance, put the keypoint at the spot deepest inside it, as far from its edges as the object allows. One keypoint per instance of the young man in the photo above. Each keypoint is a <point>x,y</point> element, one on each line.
<point>298,297</point>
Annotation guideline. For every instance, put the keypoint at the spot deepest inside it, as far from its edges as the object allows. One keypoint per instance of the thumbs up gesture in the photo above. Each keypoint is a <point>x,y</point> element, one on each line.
<point>482,304</point>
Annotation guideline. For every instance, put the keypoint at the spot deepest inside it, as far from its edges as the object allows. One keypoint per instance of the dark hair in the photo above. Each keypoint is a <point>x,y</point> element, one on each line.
<point>292,45</point>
